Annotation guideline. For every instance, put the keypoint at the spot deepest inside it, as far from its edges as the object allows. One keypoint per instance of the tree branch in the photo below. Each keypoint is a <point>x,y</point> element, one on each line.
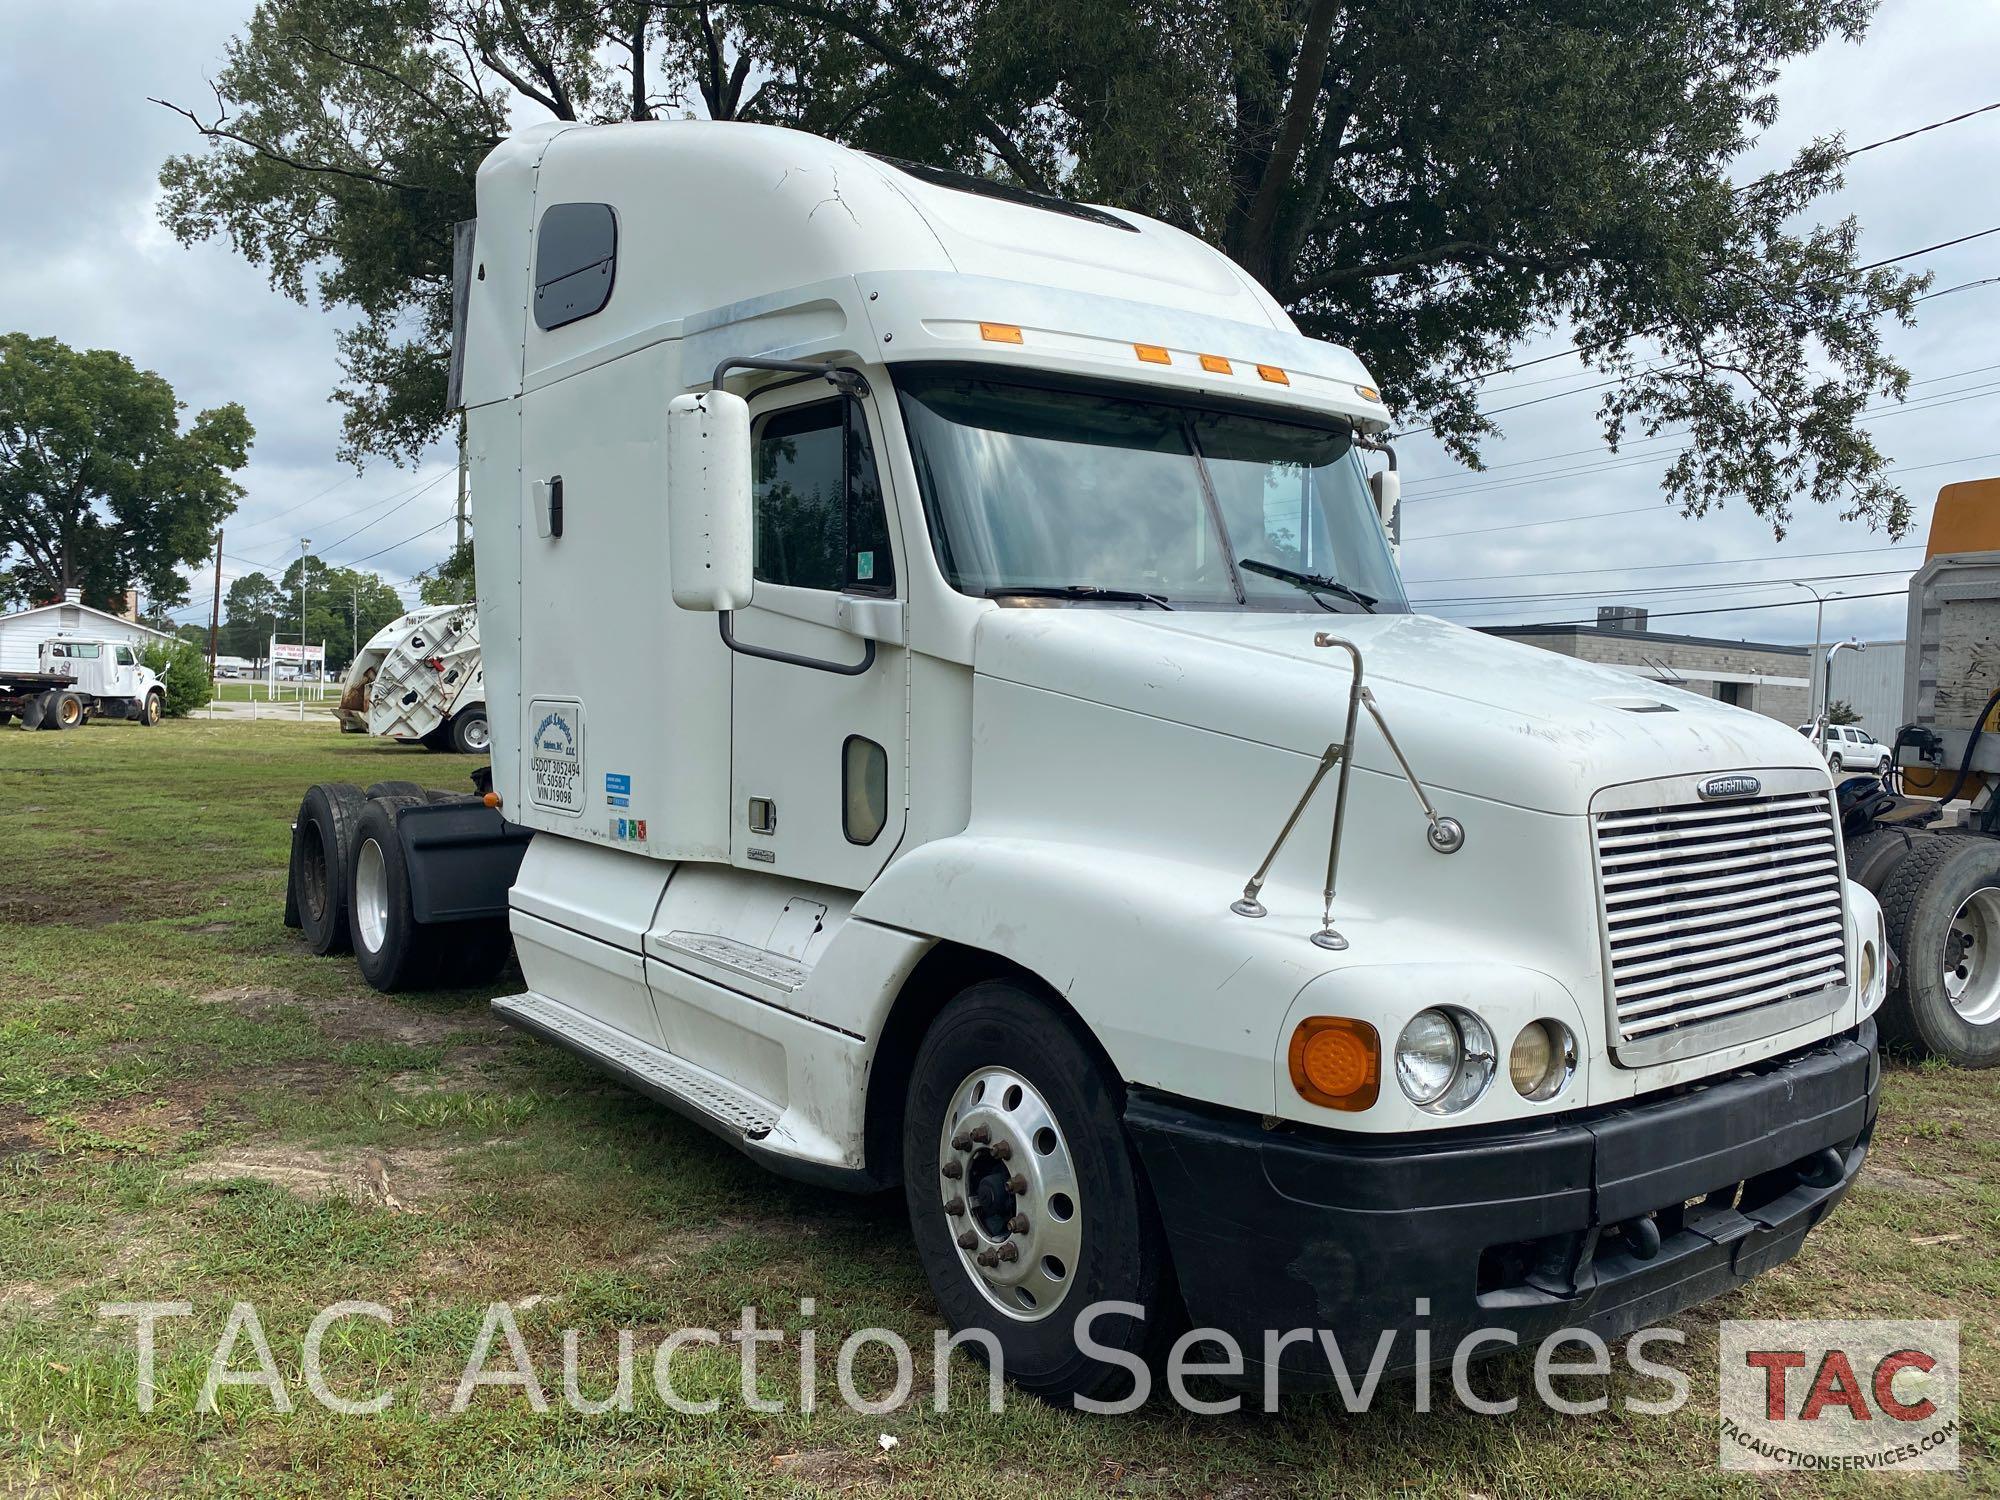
<point>1308,75</point>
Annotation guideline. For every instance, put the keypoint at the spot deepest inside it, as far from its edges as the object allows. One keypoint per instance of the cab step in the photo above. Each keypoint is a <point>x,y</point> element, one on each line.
<point>704,1096</point>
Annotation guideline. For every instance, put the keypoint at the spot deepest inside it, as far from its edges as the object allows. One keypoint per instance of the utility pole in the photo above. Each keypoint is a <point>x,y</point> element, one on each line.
<point>304,543</point>
<point>355,596</point>
<point>461,480</point>
<point>215,609</point>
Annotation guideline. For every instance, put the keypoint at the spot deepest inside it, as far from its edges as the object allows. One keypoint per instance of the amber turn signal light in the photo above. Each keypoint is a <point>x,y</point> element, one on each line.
<point>1336,1062</point>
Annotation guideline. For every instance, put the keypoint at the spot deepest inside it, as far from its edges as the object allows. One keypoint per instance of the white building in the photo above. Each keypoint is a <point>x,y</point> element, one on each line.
<point>22,633</point>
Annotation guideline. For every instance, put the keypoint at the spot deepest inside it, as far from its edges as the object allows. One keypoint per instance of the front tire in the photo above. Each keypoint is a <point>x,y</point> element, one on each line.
<point>1026,1200</point>
<point>153,710</point>
<point>1833,763</point>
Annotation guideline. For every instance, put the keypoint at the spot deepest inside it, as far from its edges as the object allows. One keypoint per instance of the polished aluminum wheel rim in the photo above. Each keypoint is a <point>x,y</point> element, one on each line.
<point>478,736</point>
<point>371,896</point>
<point>1972,958</point>
<point>1008,1190</point>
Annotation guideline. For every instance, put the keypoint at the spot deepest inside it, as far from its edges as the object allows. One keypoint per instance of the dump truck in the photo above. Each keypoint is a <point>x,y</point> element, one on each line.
<point>1926,839</point>
<point>958,728</point>
<point>77,679</point>
<point>419,681</point>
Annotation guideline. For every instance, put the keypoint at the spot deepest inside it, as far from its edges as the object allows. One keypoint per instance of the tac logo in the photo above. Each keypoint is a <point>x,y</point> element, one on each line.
<point>1834,1394</point>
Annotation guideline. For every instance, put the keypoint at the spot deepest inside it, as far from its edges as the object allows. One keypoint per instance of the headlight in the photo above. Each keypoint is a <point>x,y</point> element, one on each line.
<point>1444,1059</point>
<point>1542,1061</point>
<point>1868,963</point>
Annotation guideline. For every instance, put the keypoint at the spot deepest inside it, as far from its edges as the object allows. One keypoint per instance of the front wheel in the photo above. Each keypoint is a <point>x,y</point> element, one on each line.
<point>1026,1201</point>
<point>1833,764</point>
<point>153,710</point>
<point>1882,766</point>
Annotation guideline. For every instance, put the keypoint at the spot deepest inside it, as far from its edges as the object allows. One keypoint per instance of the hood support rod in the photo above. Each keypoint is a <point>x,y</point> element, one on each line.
<point>1446,835</point>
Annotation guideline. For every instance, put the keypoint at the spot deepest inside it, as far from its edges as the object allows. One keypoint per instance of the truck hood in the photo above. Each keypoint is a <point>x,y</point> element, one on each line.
<point>1475,714</point>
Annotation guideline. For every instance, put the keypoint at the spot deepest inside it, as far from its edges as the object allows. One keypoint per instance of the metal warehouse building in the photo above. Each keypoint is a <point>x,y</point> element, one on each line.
<point>22,633</point>
<point>1770,680</point>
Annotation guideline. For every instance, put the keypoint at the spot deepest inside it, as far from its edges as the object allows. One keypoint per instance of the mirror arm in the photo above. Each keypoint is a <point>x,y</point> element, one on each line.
<point>1372,446</point>
<point>767,653</point>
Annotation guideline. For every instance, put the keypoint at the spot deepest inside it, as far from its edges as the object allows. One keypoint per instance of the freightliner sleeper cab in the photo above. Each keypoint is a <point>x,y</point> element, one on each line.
<point>949,673</point>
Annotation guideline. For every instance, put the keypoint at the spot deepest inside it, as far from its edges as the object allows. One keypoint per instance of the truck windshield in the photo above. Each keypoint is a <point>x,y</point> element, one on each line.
<point>1048,488</point>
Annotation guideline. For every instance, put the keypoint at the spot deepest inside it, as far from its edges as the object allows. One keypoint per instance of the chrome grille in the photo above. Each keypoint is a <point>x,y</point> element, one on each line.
<point>1712,909</point>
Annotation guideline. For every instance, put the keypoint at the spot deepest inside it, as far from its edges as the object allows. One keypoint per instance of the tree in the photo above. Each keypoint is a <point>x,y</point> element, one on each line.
<point>1840,711</point>
<point>451,581</point>
<point>250,612</point>
<point>183,671</point>
<point>343,607</point>
<point>1431,184</point>
<point>101,488</point>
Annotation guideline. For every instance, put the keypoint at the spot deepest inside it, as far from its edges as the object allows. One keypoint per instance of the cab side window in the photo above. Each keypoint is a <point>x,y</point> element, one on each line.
<point>821,522</point>
<point>125,657</point>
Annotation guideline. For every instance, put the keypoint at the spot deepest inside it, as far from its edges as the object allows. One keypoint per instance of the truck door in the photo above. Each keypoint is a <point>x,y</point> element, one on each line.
<point>122,680</point>
<point>818,761</point>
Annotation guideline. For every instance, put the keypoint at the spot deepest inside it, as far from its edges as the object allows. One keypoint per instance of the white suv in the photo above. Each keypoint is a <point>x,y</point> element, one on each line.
<point>1850,749</point>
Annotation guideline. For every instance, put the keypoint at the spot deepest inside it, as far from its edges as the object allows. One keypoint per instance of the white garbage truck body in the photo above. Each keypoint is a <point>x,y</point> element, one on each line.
<point>946,659</point>
<point>420,680</point>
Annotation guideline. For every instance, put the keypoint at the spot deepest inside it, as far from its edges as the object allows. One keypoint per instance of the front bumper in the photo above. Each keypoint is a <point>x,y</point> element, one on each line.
<point>1514,1228</point>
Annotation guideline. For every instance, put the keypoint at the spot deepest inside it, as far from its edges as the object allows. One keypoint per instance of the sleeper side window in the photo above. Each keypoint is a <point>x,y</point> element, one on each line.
<point>576,261</point>
<point>821,522</point>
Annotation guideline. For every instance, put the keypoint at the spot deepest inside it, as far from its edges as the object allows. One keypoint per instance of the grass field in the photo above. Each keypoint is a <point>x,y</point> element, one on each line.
<point>193,1108</point>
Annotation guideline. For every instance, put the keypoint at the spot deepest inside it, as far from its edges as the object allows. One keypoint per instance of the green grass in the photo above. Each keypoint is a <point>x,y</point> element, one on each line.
<point>192,1107</point>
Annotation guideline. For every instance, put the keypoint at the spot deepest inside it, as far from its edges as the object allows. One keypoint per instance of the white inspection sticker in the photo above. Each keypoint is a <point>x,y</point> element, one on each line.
<point>555,754</point>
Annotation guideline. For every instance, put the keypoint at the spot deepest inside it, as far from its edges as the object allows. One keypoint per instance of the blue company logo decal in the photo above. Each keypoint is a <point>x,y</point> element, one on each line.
<point>617,789</point>
<point>564,746</point>
<point>1718,787</point>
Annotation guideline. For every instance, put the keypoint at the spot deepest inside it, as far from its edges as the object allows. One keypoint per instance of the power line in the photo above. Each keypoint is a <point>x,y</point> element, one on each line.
<point>1736,609</point>
<point>1657,590</point>
<point>1578,348</point>
<point>1706,562</point>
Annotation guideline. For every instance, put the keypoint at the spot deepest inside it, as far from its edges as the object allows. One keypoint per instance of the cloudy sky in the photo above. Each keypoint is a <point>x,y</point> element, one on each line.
<point>87,262</point>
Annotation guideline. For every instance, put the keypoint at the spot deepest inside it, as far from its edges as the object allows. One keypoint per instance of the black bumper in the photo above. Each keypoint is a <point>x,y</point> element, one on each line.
<point>1512,1228</point>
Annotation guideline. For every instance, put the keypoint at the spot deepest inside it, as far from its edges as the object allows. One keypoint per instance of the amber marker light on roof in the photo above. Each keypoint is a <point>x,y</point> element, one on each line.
<point>1215,364</point>
<point>1000,333</point>
<point>1367,393</point>
<point>1273,374</point>
<point>1336,1062</point>
<point>1152,354</point>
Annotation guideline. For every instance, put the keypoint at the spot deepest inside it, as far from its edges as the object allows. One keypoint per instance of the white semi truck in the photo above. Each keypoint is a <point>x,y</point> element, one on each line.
<point>420,680</point>
<point>957,724</point>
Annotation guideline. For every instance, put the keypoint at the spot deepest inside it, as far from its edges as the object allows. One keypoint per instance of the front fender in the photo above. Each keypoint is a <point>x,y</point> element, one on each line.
<point>1183,994</point>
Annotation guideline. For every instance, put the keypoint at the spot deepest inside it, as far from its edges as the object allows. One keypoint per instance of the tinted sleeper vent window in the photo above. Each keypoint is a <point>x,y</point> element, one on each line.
<point>576,260</point>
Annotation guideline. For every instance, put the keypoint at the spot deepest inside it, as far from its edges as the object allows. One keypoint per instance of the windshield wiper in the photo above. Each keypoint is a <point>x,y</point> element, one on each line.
<point>1312,583</point>
<point>1076,591</point>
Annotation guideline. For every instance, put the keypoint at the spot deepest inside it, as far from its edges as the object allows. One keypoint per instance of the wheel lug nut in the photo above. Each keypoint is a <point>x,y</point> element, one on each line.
<point>961,1142</point>
<point>1017,1183</point>
<point>1018,1224</point>
<point>967,1240</point>
<point>953,1170</point>
<point>980,1134</point>
<point>989,1259</point>
<point>1003,1149</point>
<point>955,1208</point>
<point>1008,1251</point>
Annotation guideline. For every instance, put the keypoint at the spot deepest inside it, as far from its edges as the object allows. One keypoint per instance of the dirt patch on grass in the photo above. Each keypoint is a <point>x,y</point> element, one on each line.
<point>1895,1180</point>
<point>368,1017</point>
<point>37,909</point>
<point>831,1468</point>
<point>402,1179</point>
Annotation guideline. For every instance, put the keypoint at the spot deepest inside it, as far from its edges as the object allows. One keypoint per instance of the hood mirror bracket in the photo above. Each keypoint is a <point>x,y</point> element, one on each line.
<point>1445,835</point>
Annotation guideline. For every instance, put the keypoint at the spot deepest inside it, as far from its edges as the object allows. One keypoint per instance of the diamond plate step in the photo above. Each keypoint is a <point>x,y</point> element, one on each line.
<point>760,964</point>
<point>696,1087</point>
